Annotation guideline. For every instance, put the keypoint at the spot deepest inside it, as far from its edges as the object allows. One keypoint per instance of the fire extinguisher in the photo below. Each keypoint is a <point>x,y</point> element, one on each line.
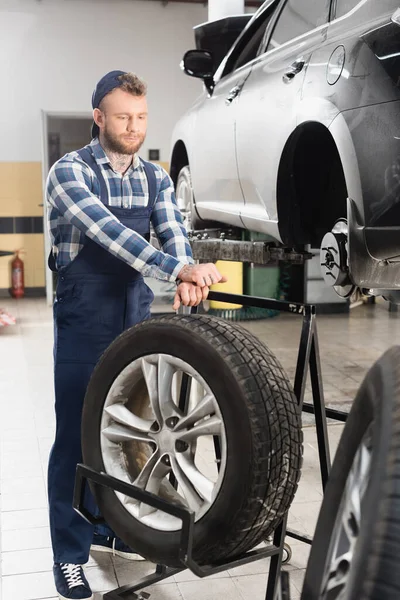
<point>17,276</point>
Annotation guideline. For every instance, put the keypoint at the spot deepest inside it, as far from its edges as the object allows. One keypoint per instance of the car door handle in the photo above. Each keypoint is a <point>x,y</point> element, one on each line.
<point>396,17</point>
<point>234,93</point>
<point>293,70</point>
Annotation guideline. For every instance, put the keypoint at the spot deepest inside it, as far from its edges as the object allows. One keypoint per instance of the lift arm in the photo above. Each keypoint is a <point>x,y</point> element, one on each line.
<point>213,245</point>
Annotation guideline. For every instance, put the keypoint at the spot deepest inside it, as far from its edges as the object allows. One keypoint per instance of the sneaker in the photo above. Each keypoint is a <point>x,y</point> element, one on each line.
<point>71,583</point>
<point>115,546</point>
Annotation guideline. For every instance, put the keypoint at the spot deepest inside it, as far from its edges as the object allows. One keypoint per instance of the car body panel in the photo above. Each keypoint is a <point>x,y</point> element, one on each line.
<point>216,181</point>
<point>275,106</point>
<point>379,174</point>
<point>350,84</point>
<point>341,133</point>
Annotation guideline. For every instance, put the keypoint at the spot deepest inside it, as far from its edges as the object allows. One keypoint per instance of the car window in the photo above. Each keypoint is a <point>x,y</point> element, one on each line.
<point>345,6</point>
<point>248,48</point>
<point>298,17</point>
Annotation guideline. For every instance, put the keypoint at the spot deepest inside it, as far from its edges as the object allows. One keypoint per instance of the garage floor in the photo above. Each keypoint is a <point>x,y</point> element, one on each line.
<point>348,345</point>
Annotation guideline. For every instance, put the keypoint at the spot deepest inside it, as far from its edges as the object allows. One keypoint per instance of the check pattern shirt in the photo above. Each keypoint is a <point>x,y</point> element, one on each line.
<point>75,211</point>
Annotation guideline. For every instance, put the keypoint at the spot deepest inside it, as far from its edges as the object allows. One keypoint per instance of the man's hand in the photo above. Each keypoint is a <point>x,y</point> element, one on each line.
<point>202,275</point>
<point>189,294</point>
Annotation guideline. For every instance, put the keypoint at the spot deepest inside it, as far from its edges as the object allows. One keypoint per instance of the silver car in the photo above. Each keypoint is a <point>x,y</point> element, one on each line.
<point>297,135</point>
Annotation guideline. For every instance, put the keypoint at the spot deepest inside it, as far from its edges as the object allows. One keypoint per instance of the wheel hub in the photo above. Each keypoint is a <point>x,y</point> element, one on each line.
<point>166,441</point>
<point>330,260</point>
<point>334,260</point>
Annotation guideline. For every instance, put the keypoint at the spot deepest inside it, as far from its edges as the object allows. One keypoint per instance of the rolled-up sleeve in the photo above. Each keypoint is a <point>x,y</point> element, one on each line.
<point>69,192</point>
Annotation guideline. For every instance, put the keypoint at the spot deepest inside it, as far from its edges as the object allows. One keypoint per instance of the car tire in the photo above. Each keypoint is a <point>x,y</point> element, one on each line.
<point>260,434</point>
<point>186,203</point>
<point>356,547</point>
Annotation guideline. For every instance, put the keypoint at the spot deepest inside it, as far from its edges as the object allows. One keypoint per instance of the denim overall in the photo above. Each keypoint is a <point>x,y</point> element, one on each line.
<point>98,297</point>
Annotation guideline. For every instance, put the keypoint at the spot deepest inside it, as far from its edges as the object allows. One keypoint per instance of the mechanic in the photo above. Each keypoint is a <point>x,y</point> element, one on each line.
<point>101,202</point>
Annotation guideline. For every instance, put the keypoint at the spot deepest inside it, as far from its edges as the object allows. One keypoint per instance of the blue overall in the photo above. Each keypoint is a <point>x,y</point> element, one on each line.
<point>98,297</point>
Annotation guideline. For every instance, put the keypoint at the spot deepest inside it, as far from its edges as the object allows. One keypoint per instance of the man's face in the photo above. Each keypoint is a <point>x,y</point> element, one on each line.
<point>122,119</point>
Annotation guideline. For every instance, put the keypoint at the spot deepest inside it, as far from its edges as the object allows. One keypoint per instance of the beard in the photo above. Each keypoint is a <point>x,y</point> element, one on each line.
<point>117,143</point>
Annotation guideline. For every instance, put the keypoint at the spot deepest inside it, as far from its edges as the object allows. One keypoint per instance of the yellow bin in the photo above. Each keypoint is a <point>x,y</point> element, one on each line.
<point>234,272</point>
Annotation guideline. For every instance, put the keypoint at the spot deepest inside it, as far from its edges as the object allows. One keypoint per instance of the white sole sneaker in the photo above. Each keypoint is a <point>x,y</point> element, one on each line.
<point>114,552</point>
<point>65,598</point>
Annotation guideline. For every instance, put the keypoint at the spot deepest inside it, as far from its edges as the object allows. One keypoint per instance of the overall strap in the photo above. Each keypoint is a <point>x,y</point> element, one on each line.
<point>150,171</point>
<point>89,159</point>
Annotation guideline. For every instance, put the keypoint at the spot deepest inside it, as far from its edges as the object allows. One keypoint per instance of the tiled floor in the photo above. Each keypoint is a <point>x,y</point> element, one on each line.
<point>349,345</point>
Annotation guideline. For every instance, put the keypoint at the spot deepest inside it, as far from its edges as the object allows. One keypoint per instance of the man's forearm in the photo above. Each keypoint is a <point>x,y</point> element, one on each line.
<point>74,201</point>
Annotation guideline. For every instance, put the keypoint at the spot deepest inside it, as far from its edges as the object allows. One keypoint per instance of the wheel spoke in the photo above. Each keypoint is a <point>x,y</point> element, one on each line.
<point>158,377</point>
<point>149,370</point>
<point>350,515</point>
<point>167,405</point>
<point>150,480</point>
<point>336,584</point>
<point>120,433</point>
<point>210,426</point>
<point>203,409</point>
<point>193,499</point>
<point>124,416</point>
<point>165,489</point>
<point>143,477</point>
<point>352,494</point>
<point>338,576</point>
<point>142,480</point>
<point>365,465</point>
<point>203,486</point>
<point>169,493</point>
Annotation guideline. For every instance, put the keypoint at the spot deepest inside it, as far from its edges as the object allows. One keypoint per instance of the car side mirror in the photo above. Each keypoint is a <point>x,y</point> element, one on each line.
<point>200,64</point>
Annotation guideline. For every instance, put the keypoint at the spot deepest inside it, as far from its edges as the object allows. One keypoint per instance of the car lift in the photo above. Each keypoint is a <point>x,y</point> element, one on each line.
<point>215,245</point>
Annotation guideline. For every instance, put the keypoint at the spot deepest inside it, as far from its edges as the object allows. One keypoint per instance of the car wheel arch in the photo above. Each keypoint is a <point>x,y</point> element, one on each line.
<point>179,159</point>
<point>310,170</point>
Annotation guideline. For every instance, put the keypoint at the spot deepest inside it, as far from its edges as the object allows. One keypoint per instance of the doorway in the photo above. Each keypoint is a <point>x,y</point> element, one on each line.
<point>62,133</point>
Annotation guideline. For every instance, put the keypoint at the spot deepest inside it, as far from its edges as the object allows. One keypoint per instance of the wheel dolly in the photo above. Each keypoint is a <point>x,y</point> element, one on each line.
<point>277,585</point>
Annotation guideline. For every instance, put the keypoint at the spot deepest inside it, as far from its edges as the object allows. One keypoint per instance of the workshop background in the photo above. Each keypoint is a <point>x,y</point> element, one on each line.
<point>52,53</point>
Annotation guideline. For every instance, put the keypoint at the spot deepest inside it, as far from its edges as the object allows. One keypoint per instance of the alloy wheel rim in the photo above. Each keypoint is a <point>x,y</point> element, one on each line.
<point>145,438</point>
<point>184,198</point>
<point>335,583</point>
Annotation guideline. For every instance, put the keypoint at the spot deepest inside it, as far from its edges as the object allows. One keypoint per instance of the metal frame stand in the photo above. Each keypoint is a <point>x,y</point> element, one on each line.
<point>308,359</point>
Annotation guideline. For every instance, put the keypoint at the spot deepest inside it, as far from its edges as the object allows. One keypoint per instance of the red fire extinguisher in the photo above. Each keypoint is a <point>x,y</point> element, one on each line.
<point>17,276</point>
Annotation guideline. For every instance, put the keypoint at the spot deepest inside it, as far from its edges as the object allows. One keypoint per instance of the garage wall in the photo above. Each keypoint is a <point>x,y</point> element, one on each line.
<point>52,52</point>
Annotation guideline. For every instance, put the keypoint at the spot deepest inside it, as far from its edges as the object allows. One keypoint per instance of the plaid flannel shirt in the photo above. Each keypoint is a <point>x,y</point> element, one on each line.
<point>75,211</point>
